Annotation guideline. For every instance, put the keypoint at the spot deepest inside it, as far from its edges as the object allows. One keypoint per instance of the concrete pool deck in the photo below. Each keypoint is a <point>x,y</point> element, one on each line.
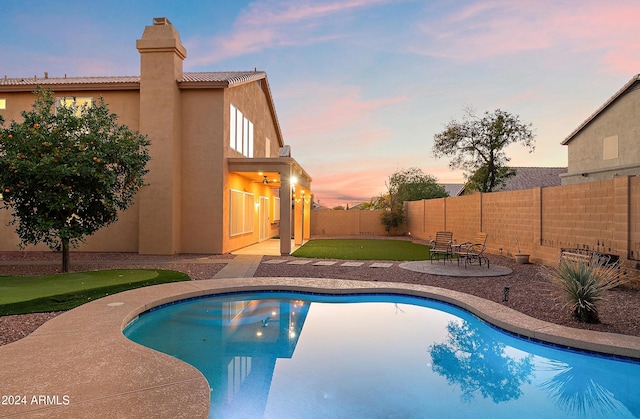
<point>79,364</point>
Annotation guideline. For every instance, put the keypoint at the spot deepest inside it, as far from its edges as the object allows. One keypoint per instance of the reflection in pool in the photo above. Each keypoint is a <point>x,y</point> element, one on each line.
<point>293,355</point>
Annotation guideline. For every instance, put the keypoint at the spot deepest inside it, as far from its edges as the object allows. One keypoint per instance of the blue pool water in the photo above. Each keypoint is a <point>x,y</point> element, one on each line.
<point>293,355</point>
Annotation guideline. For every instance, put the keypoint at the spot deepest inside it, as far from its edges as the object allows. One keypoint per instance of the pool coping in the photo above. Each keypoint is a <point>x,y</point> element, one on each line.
<point>80,363</point>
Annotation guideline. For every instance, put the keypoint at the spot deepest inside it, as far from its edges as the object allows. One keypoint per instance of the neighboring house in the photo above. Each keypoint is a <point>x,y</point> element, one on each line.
<point>453,189</point>
<point>607,143</point>
<point>317,206</point>
<point>220,178</point>
<point>528,178</point>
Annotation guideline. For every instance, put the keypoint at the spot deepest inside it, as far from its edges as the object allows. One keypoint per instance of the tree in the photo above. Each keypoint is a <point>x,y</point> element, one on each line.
<point>478,364</point>
<point>477,145</point>
<point>413,185</point>
<point>406,185</point>
<point>66,171</point>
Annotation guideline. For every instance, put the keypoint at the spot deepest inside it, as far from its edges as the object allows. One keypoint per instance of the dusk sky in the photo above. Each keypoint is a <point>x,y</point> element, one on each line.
<point>361,86</point>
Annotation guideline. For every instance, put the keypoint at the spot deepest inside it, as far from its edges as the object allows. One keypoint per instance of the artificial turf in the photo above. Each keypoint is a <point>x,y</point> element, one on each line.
<point>363,249</point>
<point>38,294</point>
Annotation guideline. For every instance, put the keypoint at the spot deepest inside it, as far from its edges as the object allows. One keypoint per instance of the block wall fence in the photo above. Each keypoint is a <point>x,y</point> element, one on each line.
<point>602,216</point>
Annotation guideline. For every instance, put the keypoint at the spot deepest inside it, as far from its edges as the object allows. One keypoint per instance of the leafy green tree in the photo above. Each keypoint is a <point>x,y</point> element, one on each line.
<point>480,180</point>
<point>66,171</point>
<point>477,146</point>
<point>414,185</point>
<point>406,185</point>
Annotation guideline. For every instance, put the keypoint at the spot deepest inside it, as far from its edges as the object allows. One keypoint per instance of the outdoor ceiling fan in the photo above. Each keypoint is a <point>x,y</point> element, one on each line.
<point>266,180</point>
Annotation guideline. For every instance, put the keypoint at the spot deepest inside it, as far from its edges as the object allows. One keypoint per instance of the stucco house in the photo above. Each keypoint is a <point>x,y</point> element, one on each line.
<point>221,176</point>
<point>607,143</point>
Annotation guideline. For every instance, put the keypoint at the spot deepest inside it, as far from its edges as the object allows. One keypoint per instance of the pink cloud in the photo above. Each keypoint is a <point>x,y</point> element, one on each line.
<point>287,12</point>
<point>334,111</point>
<point>268,24</point>
<point>365,178</point>
<point>489,29</point>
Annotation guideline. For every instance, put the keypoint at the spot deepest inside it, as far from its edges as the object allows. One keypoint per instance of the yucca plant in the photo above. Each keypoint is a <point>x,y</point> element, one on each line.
<point>583,284</point>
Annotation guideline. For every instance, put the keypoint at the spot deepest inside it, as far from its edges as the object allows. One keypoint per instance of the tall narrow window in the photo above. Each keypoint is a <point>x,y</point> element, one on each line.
<point>276,209</point>
<point>240,132</point>
<point>232,126</point>
<point>3,103</point>
<point>250,135</point>
<point>267,147</point>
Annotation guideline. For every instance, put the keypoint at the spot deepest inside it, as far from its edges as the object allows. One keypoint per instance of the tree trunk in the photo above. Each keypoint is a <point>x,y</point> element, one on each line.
<point>65,255</point>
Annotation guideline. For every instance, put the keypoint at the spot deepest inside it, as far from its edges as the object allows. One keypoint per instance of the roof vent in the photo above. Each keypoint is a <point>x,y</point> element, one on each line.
<point>285,151</point>
<point>160,21</point>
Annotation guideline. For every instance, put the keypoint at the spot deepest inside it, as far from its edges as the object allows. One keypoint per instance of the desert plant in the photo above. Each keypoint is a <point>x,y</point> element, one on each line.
<point>583,284</point>
<point>515,238</point>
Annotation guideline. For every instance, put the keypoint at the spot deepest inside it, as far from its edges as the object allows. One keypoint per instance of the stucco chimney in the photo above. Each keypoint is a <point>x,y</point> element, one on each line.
<point>160,44</point>
<point>161,57</point>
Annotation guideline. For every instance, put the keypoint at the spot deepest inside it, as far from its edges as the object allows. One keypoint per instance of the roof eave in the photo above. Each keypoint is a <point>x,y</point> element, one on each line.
<point>70,87</point>
<point>203,84</point>
<point>602,108</point>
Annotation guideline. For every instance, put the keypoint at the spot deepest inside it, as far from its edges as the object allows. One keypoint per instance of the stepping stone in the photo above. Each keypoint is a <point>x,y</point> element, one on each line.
<point>353,264</point>
<point>298,262</point>
<point>275,261</point>
<point>381,265</point>
<point>324,263</point>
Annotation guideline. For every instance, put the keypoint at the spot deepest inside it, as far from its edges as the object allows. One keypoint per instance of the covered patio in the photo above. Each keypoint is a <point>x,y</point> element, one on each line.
<point>294,184</point>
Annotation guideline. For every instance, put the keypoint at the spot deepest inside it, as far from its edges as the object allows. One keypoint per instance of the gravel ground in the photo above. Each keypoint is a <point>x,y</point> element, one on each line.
<point>529,291</point>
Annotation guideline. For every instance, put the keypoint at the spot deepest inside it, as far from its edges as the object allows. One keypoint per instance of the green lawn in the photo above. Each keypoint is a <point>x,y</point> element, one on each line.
<point>363,249</point>
<point>37,294</point>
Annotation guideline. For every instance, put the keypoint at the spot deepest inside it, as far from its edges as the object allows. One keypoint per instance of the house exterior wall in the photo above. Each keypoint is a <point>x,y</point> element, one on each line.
<point>202,167</point>
<point>185,207</point>
<point>122,235</point>
<point>251,100</point>
<point>586,150</point>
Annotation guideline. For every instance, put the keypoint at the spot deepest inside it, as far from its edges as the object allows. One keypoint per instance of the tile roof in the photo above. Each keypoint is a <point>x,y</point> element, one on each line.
<point>212,78</point>
<point>227,78</point>
<point>529,178</point>
<point>453,188</point>
<point>52,81</point>
<point>533,177</point>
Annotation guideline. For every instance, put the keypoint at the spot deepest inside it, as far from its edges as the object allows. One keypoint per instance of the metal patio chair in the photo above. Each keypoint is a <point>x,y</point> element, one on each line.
<point>472,251</point>
<point>441,245</point>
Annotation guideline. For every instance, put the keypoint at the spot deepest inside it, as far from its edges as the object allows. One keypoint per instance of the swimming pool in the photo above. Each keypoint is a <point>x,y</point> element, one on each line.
<point>301,355</point>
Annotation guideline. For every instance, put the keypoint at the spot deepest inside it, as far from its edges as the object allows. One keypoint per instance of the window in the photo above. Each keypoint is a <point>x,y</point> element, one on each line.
<point>77,102</point>
<point>267,147</point>
<point>240,132</point>
<point>276,209</point>
<point>241,213</point>
<point>610,148</point>
<point>3,103</point>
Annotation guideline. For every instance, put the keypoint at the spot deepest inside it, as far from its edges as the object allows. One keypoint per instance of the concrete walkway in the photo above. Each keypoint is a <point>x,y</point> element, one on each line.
<point>246,260</point>
<point>241,266</point>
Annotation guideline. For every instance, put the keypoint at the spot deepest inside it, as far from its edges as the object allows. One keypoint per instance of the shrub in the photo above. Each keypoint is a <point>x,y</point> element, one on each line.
<point>583,285</point>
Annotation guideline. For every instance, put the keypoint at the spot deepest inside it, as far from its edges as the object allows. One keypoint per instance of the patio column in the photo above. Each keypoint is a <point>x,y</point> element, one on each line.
<point>285,211</point>
<point>307,216</point>
<point>298,215</point>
